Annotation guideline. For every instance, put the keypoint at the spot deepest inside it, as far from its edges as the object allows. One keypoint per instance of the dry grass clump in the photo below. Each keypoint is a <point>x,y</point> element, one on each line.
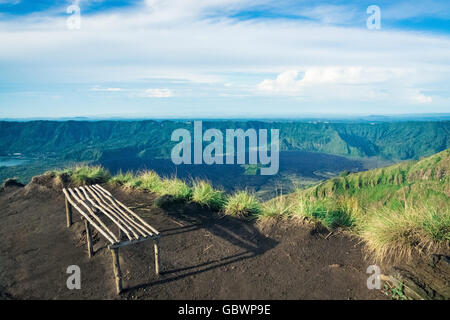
<point>280,206</point>
<point>204,194</point>
<point>396,235</point>
<point>242,203</point>
<point>84,174</point>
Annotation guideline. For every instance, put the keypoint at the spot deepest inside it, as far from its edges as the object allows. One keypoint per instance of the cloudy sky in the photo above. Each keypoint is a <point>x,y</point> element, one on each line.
<point>222,58</point>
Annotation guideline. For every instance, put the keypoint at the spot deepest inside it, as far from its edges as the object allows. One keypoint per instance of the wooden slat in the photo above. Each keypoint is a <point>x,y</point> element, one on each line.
<point>79,194</point>
<point>111,210</point>
<point>131,212</point>
<point>93,215</point>
<point>124,225</point>
<point>115,203</point>
<point>140,229</point>
<point>73,203</point>
<point>112,218</point>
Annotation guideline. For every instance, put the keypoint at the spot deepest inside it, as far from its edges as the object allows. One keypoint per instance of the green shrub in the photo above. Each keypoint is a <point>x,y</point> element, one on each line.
<point>176,188</point>
<point>397,234</point>
<point>204,194</point>
<point>331,215</point>
<point>82,175</point>
<point>279,206</point>
<point>151,181</point>
<point>122,178</point>
<point>242,203</point>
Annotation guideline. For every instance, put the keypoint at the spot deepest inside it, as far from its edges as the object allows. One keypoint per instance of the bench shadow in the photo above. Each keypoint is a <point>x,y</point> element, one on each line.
<point>241,234</point>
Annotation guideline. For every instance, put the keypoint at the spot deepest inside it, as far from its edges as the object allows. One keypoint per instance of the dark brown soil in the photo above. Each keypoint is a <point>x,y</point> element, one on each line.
<point>203,255</point>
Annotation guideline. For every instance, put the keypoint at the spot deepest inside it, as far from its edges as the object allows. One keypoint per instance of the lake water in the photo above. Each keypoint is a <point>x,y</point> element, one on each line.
<point>11,162</point>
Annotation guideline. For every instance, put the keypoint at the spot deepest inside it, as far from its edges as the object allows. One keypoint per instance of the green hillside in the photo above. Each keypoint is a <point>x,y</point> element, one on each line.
<point>96,140</point>
<point>397,210</point>
<point>412,182</point>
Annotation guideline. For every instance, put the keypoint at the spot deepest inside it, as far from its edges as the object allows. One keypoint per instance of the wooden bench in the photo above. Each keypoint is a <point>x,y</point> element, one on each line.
<point>98,208</point>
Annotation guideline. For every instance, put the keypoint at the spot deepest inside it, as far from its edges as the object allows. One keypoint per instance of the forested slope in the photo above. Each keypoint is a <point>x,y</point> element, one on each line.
<point>92,140</point>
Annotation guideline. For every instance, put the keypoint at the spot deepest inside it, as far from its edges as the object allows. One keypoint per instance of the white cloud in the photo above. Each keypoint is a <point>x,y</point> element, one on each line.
<point>285,83</point>
<point>288,82</point>
<point>333,14</point>
<point>135,92</point>
<point>354,75</point>
<point>421,98</point>
<point>157,93</point>
<point>347,83</point>
<point>106,89</point>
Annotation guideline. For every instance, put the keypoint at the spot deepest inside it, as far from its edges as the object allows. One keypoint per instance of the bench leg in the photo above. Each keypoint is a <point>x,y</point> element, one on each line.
<point>156,246</point>
<point>117,272</point>
<point>68,213</point>
<point>89,238</point>
<point>120,233</point>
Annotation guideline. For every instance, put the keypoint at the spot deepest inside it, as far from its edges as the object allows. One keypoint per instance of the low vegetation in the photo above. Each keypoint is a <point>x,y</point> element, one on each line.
<point>397,211</point>
<point>176,188</point>
<point>279,207</point>
<point>81,175</point>
<point>390,233</point>
<point>150,181</point>
<point>243,204</point>
<point>204,194</point>
<point>332,213</point>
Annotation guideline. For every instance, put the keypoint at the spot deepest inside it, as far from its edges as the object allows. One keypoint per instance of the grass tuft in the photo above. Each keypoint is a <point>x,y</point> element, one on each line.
<point>280,206</point>
<point>150,180</point>
<point>121,179</point>
<point>243,204</point>
<point>83,175</point>
<point>176,188</point>
<point>331,213</point>
<point>397,234</point>
<point>204,194</point>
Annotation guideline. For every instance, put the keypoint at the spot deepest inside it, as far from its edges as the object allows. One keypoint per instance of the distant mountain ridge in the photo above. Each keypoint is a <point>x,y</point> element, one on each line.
<point>281,117</point>
<point>94,140</point>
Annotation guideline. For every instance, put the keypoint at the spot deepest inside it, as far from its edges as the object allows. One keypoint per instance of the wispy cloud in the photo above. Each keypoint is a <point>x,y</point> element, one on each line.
<point>157,93</point>
<point>421,98</point>
<point>106,89</point>
<point>348,83</point>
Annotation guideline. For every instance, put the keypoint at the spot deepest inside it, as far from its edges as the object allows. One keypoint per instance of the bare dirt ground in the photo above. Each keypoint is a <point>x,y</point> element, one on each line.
<point>203,255</point>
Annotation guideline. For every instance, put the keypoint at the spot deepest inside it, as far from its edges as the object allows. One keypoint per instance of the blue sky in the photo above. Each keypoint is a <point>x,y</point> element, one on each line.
<point>223,58</point>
